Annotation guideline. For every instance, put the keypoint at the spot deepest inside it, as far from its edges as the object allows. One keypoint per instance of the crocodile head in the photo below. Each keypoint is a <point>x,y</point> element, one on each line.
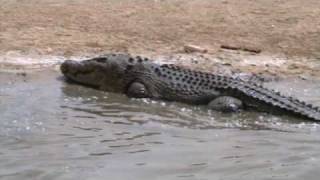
<point>105,72</point>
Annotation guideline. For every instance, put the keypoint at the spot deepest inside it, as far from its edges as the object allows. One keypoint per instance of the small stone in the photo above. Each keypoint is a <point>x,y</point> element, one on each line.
<point>193,48</point>
<point>22,74</point>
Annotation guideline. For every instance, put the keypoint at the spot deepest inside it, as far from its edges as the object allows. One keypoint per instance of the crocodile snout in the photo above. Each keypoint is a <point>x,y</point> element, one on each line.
<point>67,66</point>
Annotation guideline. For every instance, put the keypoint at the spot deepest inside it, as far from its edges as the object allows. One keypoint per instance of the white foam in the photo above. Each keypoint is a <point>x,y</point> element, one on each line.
<point>264,60</point>
<point>18,59</point>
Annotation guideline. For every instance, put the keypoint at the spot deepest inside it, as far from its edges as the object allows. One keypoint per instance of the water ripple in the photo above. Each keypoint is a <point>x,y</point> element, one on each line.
<point>53,130</point>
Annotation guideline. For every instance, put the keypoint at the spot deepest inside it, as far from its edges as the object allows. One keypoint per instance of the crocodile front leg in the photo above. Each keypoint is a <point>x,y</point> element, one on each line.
<point>137,90</point>
<point>226,104</point>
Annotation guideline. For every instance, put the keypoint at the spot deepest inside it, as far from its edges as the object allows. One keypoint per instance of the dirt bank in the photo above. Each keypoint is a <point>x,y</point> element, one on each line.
<point>281,29</point>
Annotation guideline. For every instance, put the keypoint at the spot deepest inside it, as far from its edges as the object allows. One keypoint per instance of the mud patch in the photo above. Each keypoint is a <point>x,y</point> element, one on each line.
<point>287,34</point>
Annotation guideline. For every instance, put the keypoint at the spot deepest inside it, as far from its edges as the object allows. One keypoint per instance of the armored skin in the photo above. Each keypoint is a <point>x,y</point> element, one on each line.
<point>138,77</point>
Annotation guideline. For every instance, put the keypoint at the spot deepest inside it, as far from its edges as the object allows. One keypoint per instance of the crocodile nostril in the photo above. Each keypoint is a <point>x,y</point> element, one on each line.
<point>67,66</point>
<point>64,67</point>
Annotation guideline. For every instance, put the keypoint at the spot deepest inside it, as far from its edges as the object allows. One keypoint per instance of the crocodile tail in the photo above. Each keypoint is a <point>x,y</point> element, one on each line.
<point>275,99</point>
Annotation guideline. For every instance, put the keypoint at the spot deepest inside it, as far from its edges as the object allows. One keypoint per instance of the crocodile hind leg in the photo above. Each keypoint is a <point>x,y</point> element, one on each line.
<point>226,104</point>
<point>137,90</point>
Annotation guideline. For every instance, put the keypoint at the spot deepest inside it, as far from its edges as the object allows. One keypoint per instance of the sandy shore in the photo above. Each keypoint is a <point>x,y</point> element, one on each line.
<point>48,31</point>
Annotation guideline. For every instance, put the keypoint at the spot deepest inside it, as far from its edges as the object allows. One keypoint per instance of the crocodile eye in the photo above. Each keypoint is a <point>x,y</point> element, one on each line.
<point>101,60</point>
<point>131,60</point>
<point>129,67</point>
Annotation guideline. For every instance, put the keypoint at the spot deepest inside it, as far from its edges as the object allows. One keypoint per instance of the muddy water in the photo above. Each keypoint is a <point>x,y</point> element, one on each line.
<point>53,130</point>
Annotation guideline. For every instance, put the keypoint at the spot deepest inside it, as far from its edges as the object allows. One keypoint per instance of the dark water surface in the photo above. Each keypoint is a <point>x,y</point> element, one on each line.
<point>53,130</point>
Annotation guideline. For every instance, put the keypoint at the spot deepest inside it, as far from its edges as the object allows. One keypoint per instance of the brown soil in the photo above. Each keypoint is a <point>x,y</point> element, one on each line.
<point>279,28</point>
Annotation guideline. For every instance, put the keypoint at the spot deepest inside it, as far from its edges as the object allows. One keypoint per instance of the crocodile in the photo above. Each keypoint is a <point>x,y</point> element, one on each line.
<point>140,77</point>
